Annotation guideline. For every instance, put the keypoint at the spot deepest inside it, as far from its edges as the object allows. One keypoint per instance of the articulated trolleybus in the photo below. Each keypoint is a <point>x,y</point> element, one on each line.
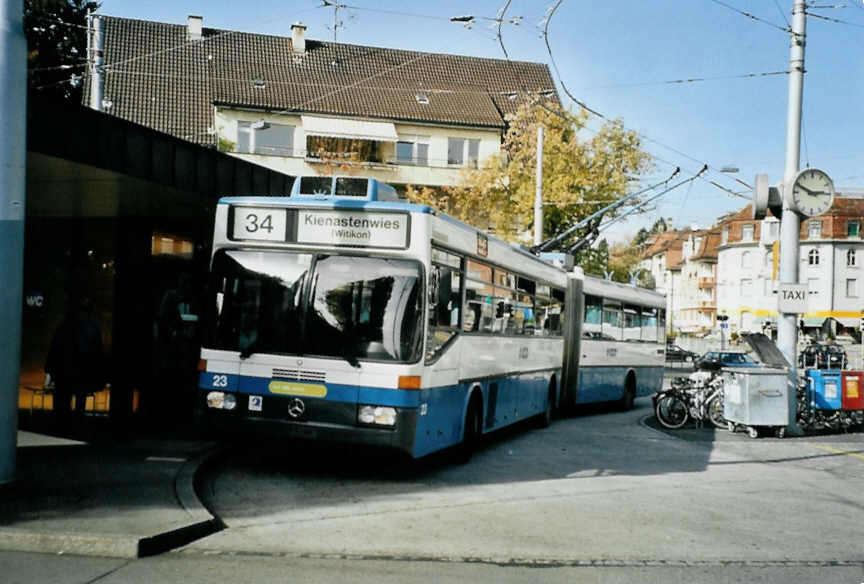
<point>344,314</point>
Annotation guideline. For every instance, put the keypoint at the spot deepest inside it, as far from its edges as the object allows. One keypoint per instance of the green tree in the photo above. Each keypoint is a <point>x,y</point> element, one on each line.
<point>594,261</point>
<point>56,33</point>
<point>659,226</point>
<point>581,174</point>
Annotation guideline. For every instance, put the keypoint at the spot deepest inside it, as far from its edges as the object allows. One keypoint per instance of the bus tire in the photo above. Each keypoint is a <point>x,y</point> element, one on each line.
<point>626,401</point>
<point>544,420</point>
<point>472,430</point>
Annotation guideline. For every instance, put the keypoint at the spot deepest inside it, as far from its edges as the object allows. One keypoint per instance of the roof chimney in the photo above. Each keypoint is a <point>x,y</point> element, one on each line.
<point>194,27</point>
<point>298,37</point>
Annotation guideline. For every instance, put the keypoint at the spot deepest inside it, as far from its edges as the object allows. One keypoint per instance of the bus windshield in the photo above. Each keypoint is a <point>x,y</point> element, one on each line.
<point>313,304</point>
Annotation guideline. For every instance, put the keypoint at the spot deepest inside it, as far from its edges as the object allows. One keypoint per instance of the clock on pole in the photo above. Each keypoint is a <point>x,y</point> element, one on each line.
<point>812,192</point>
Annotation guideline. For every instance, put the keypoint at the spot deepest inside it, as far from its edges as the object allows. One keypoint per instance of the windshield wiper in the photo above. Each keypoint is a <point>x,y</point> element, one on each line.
<point>351,357</point>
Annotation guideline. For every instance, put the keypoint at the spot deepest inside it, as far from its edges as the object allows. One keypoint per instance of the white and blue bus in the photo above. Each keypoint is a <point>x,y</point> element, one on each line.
<point>344,314</point>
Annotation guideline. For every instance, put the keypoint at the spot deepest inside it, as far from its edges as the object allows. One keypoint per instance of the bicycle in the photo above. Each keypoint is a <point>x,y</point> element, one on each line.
<point>691,398</point>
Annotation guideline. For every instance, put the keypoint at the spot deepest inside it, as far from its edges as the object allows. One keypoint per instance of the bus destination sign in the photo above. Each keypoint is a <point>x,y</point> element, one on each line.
<point>261,224</point>
<point>387,230</point>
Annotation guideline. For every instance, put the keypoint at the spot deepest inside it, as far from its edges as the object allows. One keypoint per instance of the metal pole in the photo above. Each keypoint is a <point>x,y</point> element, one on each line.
<point>97,46</point>
<point>538,191</point>
<point>13,131</point>
<point>790,223</point>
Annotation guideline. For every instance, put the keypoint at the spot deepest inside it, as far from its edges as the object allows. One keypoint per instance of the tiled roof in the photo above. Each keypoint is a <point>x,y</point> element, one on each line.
<point>156,77</point>
<point>708,246</point>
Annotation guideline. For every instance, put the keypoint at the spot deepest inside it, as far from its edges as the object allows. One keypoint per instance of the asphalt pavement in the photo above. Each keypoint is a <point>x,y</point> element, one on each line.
<point>136,497</point>
<point>104,496</point>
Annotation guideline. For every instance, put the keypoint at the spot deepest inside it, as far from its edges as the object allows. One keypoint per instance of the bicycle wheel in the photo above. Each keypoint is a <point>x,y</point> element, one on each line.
<point>671,411</point>
<point>715,412</point>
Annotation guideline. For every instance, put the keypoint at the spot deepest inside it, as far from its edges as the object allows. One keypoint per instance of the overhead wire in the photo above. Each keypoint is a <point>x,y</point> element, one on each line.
<point>693,80</point>
<point>604,226</point>
<point>550,14</point>
<point>835,20</point>
<point>752,16</point>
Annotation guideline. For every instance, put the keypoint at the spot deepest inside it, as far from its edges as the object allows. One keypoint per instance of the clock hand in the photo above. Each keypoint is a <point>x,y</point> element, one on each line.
<point>803,188</point>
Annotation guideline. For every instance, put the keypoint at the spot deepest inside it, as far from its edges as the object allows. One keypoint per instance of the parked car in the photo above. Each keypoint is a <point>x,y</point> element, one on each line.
<point>717,359</point>
<point>823,356</point>
<point>676,353</point>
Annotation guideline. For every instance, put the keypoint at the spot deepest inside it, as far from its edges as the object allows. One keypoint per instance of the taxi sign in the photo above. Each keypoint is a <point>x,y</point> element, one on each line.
<point>792,298</point>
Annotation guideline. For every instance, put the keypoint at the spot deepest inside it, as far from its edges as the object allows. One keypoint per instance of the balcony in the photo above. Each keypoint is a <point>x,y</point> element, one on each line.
<point>707,283</point>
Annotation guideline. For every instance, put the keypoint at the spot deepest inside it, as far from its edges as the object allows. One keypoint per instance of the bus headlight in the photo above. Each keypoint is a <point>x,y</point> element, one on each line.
<point>377,415</point>
<point>219,400</point>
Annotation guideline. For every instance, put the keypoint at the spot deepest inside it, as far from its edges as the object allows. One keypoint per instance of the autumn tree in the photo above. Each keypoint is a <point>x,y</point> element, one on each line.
<point>582,173</point>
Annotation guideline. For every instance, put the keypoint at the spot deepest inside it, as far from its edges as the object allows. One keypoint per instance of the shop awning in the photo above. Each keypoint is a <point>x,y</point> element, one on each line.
<point>351,129</point>
<point>848,321</point>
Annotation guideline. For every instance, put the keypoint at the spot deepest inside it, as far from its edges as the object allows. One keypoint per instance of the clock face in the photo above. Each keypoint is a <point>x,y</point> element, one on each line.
<point>812,192</point>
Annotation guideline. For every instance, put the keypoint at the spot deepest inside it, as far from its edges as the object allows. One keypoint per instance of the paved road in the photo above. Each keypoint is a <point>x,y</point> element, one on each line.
<point>602,497</point>
<point>597,489</point>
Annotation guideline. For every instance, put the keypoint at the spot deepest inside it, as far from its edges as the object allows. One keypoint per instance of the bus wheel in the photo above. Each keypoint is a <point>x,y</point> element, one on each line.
<point>544,420</point>
<point>473,429</point>
<point>626,401</point>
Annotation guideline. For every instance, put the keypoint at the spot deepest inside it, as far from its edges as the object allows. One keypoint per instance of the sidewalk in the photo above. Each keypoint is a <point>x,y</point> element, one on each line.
<point>123,498</point>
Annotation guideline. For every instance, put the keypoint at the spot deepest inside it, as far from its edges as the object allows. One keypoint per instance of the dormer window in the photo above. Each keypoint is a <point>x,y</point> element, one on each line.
<point>422,98</point>
<point>259,83</point>
<point>747,232</point>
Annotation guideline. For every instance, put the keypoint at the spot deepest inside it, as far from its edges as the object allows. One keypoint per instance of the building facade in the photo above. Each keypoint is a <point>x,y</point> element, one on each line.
<point>301,106</point>
<point>830,257</point>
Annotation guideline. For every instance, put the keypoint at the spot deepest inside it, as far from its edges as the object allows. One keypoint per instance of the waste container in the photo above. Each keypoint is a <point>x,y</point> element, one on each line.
<point>758,397</point>
<point>824,388</point>
<point>853,391</point>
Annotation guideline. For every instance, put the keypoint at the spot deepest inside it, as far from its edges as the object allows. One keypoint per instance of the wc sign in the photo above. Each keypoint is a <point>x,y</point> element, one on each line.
<point>792,298</point>
<point>35,300</point>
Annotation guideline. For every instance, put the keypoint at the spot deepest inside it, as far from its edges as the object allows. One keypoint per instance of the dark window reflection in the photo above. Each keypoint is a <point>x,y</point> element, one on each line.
<point>339,306</point>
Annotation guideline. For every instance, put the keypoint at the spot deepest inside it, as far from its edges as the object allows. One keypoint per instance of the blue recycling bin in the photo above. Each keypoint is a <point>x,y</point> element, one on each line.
<point>824,389</point>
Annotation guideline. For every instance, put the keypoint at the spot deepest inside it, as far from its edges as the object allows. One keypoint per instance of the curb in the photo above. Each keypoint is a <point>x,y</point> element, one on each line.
<point>199,523</point>
<point>202,522</point>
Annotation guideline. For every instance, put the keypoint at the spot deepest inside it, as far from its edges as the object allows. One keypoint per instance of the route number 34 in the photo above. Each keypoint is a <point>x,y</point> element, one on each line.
<point>259,223</point>
<point>254,222</point>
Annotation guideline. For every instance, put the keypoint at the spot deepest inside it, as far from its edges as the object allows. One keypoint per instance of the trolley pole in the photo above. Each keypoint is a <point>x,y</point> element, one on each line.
<point>13,131</point>
<point>538,191</point>
<point>790,223</point>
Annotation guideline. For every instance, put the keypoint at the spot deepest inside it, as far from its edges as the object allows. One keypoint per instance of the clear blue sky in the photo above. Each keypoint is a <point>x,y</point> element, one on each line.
<point>614,56</point>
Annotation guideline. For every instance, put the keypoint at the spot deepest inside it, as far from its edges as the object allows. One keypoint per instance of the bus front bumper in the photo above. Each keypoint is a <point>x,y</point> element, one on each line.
<point>399,437</point>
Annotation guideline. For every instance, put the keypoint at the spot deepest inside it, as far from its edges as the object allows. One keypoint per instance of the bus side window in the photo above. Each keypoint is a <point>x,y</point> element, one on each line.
<point>613,319</point>
<point>444,307</point>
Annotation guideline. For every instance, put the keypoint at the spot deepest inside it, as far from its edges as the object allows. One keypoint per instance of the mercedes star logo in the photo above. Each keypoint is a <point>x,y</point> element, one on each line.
<point>296,408</point>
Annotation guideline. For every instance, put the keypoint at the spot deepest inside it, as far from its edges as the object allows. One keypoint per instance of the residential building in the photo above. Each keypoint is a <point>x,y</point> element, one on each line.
<point>830,262</point>
<point>684,267</point>
<point>697,308</point>
<point>303,106</point>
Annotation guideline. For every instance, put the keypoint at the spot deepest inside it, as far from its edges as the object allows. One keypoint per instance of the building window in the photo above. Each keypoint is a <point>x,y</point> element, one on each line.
<point>813,257</point>
<point>853,229</point>
<point>265,138</point>
<point>747,232</point>
<point>851,288</point>
<point>413,150</point>
<point>746,287</point>
<point>455,151</point>
<point>473,153</point>
<point>463,152</point>
<point>814,229</point>
<point>724,237</point>
<point>746,259</point>
<point>850,258</point>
